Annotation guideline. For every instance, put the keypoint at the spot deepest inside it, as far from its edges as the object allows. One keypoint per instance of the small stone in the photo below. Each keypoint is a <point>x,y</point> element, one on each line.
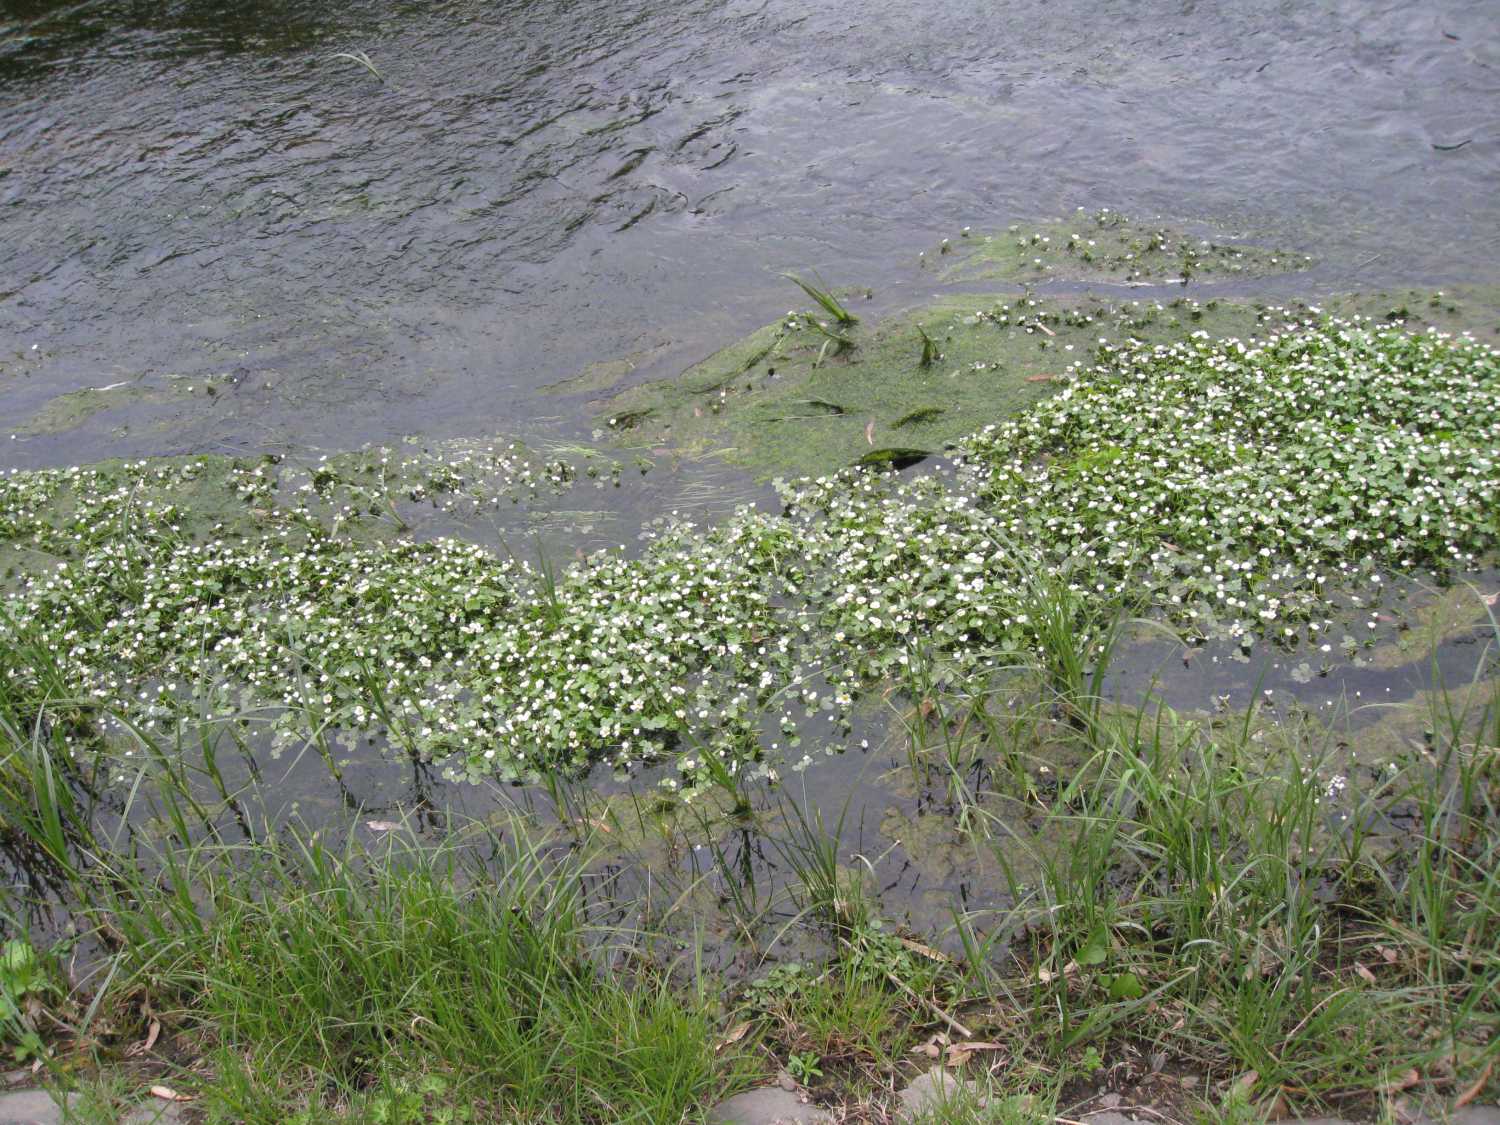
<point>153,1113</point>
<point>1476,1115</point>
<point>933,1090</point>
<point>767,1106</point>
<point>31,1107</point>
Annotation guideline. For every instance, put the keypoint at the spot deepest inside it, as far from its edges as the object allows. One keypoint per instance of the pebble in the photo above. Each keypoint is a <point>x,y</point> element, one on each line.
<point>932,1090</point>
<point>31,1107</point>
<point>770,1105</point>
<point>37,1107</point>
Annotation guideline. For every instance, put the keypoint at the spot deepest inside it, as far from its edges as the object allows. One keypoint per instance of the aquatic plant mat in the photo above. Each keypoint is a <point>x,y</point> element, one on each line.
<point>1143,748</point>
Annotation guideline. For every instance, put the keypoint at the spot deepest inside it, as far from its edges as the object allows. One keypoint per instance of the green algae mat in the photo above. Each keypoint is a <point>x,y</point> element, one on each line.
<point>808,395</point>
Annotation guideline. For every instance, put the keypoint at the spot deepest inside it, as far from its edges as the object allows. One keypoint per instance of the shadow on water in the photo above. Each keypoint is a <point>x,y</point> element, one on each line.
<point>38,36</point>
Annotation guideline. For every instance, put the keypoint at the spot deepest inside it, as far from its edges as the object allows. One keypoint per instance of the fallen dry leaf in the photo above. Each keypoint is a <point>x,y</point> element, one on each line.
<point>1364,973</point>
<point>925,950</point>
<point>1477,1088</point>
<point>870,432</point>
<point>167,1094</point>
<point>932,1048</point>
<point>1387,954</point>
<point>152,1032</point>
<point>958,1053</point>
<point>1248,1079</point>
<point>734,1035</point>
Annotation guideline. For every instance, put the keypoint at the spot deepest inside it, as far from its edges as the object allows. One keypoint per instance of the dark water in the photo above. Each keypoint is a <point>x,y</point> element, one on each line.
<point>197,189</point>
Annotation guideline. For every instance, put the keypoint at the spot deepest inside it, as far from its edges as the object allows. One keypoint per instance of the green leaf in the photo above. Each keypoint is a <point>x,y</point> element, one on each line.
<point>1096,948</point>
<point>1126,986</point>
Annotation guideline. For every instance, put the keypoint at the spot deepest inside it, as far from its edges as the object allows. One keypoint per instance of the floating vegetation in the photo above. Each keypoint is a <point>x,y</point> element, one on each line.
<point>918,416</point>
<point>826,301</point>
<point>993,355</point>
<point>72,409</point>
<point>1234,482</point>
<point>1230,485</point>
<point>930,353</point>
<point>360,57</point>
<point>1107,246</point>
<point>998,354</point>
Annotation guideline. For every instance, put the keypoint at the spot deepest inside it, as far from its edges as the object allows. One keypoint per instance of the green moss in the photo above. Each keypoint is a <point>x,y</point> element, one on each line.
<point>71,410</point>
<point>777,403</point>
<point>1466,308</point>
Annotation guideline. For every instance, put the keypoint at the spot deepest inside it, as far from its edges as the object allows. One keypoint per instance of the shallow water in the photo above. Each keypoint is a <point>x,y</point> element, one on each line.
<point>198,190</point>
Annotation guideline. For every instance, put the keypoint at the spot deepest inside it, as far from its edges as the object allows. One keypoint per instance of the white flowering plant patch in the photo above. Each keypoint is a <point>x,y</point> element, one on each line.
<point>1230,485</point>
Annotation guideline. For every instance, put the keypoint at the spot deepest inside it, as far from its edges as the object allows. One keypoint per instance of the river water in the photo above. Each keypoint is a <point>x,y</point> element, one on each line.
<point>199,189</point>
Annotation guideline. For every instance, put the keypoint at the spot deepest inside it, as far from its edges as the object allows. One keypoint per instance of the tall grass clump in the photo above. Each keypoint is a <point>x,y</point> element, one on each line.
<point>322,981</point>
<point>1226,876</point>
<point>350,967</point>
<point>319,982</point>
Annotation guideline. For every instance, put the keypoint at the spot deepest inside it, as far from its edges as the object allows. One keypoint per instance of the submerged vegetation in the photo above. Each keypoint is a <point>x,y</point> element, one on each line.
<point>941,371</point>
<point>1225,911</point>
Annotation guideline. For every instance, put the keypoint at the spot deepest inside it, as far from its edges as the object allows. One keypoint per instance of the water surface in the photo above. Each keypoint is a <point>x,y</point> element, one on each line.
<point>198,189</point>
